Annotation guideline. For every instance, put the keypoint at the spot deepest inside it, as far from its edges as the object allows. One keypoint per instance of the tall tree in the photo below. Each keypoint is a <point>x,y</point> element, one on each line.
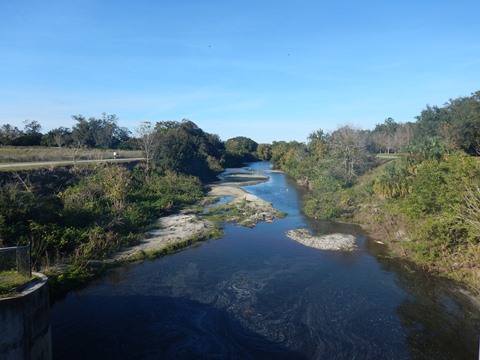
<point>82,131</point>
<point>317,143</point>
<point>464,116</point>
<point>31,135</point>
<point>457,123</point>
<point>429,121</point>
<point>58,137</point>
<point>8,133</point>
<point>32,127</point>
<point>264,151</point>
<point>240,145</point>
<point>184,147</point>
<point>240,149</point>
<point>349,145</point>
<point>101,132</point>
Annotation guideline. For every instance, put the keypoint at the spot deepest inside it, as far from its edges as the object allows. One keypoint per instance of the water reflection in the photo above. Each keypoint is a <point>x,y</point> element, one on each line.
<point>442,321</point>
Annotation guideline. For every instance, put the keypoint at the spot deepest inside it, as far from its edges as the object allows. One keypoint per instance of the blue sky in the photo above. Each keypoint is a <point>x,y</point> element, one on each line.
<point>268,70</point>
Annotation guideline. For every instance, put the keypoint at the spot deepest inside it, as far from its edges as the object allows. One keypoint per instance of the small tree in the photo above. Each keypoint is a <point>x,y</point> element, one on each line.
<point>146,140</point>
<point>470,210</point>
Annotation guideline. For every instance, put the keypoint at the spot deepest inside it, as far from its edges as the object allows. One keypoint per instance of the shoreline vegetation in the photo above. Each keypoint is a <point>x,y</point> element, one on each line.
<point>437,241</point>
<point>414,186</point>
<point>180,230</point>
<point>202,221</point>
<point>190,225</point>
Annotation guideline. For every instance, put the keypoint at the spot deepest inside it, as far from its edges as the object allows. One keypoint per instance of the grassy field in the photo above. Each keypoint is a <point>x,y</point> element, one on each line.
<point>17,154</point>
<point>388,156</point>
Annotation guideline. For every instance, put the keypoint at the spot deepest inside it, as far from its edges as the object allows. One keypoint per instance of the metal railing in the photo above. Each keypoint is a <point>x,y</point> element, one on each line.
<point>17,259</point>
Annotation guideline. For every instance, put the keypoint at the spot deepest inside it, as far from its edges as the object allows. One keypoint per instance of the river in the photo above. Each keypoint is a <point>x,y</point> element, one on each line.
<point>256,294</point>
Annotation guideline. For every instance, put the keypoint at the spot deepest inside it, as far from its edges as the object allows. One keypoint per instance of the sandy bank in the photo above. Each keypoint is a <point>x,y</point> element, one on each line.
<point>324,242</point>
<point>172,229</point>
<point>245,209</point>
<point>241,179</point>
<point>240,196</point>
<point>249,210</point>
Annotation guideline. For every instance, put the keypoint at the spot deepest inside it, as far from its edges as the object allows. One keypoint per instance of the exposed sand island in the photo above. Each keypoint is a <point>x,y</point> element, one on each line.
<point>243,179</point>
<point>324,242</point>
<point>245,209</point>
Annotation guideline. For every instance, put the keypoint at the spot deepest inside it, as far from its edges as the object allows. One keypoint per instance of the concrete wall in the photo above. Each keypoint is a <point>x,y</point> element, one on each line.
<point>25,323</point>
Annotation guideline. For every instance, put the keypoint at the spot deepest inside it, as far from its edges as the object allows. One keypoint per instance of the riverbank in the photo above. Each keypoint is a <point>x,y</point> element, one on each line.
<point>404,240</point>
<point>172,230</point>
<point>431,229</point>
<point>179,230</point>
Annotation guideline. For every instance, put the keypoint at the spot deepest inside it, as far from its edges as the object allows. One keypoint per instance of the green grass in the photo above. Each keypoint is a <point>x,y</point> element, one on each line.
<point>387,156</point>
<point>16,154</point>
<point>10,280</point>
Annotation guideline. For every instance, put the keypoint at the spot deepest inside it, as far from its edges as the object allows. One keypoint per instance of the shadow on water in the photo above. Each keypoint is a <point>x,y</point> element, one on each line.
<point>442,318</point>
<point>156,327</point>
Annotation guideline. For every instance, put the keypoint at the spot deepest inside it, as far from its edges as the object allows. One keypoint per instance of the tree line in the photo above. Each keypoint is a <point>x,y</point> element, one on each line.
<point>103,132</point>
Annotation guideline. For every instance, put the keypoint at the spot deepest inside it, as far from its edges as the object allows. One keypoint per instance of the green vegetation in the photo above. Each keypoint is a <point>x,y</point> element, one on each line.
<point>72,216</point>
<point>242,213</point>
<point>328,165</point>
<point>414,186</point>
<point>10,280</point>
<point>185,148</point>
<point>16,154</point>
<point>75,215</point>
<point>434,204</point>
<point>240,149</point>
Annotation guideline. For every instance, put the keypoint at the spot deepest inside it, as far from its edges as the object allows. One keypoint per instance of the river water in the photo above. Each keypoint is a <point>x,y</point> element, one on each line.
<point>256,294</point>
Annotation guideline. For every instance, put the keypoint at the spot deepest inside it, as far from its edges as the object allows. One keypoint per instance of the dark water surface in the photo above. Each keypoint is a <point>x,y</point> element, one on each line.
<point>255,294</point>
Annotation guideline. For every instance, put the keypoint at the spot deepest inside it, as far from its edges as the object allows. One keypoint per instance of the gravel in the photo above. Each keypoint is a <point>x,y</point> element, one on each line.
<point>345,242</point>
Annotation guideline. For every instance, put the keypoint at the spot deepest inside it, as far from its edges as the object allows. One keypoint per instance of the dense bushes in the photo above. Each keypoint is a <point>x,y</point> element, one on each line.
<point>436,197</point>
<point>71,216</point>
<point>90,215</point>
<point>328,165</point>
<point>185,148</point>
<point>425,201</point>
<point>434,204</point>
